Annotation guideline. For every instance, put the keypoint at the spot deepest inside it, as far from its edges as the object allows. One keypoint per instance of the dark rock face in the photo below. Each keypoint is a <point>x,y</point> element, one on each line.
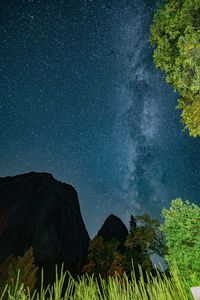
<point>113,228</point>
<point>37,210</point>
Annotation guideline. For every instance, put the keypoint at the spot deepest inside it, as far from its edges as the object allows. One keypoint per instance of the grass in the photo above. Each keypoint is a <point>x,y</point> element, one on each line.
<point>89,288</point>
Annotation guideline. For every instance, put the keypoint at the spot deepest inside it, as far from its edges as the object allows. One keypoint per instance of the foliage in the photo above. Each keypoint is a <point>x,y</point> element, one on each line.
<point>134,257</point>
<point>182,230</point>
<point>142,241</point>
<point>147,236</point>
<point>116,268</point>
<point>108,259</point>
<point>28,271</point>
<point>88,288</point>
<point>103,257</point>
<point>175,35</point>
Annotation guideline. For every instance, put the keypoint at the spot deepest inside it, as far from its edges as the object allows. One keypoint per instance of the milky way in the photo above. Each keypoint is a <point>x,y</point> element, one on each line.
<point>162,160</point>
<point>82,99</point>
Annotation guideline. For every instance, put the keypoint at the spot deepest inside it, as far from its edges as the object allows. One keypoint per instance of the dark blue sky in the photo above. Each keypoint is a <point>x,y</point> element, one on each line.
<point>80,98</point>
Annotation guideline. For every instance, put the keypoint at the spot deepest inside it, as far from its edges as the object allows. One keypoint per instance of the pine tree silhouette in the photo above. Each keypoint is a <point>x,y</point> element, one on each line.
<point>132,223</point>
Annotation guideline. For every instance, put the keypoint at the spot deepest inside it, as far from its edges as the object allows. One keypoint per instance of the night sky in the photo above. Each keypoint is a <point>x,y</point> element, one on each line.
<point>80,98</point>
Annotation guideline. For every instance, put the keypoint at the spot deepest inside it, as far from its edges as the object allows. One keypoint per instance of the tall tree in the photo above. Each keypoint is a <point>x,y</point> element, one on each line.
<point>175,36</point>
<point>144,240</point>
<point>132,223</point>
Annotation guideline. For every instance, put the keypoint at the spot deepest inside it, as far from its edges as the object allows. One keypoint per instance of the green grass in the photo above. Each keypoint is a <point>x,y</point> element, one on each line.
<point>89,288</point>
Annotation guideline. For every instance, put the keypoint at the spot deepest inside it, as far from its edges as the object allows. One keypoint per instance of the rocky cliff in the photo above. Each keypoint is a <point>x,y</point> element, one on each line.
<point>37,210</point>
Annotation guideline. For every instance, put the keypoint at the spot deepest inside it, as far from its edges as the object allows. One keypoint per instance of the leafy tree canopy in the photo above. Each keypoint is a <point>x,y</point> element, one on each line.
<point>148,234</point>
<point>175,34</point>
<point>143,240</point>
<point>28,270</point>
<point>182,230</point>
<point>103,258</point>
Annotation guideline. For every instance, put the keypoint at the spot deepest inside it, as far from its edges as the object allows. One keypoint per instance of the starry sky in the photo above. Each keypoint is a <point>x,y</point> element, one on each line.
<point>80,98</point>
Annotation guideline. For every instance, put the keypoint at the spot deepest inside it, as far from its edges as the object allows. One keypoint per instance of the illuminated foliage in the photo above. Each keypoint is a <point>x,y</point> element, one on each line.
<point>175,34</point>
<point>182,230</point>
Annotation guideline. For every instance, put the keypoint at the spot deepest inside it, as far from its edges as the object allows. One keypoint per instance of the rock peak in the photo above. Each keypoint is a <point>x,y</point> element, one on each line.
<point>113,228</point>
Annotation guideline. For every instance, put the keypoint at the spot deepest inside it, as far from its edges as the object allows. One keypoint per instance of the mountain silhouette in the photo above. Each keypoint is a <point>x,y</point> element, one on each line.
<point>113,228</point>
<point>38,211</point>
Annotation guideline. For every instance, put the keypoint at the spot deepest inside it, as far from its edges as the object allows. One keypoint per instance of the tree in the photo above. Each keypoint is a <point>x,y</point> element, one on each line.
<point>108,259</point>
<point>182,231</point>
<point>132,223</point>
<point>103,258</point>
<point>175,36</point>
<point>144,240</point>
<point>116,268</point>
<point>134,256</point>
<point>152,238</point>
<point>28,271</point>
